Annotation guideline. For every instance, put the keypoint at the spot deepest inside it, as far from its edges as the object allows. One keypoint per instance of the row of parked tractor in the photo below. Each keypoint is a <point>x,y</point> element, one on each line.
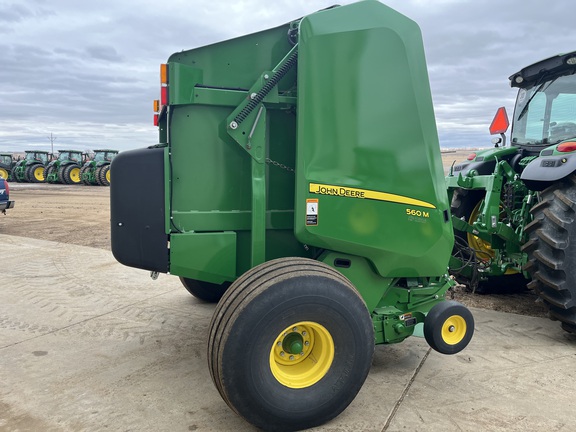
<point>67,167</point>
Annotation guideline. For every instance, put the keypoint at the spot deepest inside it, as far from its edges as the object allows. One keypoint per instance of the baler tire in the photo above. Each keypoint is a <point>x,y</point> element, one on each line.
<point>34,175</point>
<point>303,303</point>
<point>464,202</point>
<point>551,250</point>
<point>448,327</point>
<point>205,291</point>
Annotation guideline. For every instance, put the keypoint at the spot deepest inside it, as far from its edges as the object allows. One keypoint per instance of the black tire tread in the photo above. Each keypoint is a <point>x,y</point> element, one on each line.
<point>239,296</point>
<point>551,250</point>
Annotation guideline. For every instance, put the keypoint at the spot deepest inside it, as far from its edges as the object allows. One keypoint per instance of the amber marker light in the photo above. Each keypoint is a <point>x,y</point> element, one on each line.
<point>164,74</point>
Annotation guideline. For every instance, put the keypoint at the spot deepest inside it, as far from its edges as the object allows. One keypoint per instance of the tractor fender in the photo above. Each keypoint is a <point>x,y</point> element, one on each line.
<point>543,171</point>
<point>480,168</point>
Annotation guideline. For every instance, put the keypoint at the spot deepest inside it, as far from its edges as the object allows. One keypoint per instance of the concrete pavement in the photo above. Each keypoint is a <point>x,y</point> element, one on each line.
<point>87,344</point>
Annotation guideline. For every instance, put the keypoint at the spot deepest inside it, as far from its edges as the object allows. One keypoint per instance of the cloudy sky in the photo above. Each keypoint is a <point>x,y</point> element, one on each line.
<point>86,73</point>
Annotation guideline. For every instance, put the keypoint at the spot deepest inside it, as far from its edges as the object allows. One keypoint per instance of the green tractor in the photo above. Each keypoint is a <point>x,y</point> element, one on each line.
<point>96,170</point>
<point>6,165</point>
<point>32,167</point>
<point>298,181</point>
<point>66,167</point>
<point>514,206</point>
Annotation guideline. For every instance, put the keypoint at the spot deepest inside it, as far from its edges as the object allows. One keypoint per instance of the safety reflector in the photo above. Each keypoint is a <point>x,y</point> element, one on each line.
<point>500,123</point>
<point>156,105</point>
<point>163,96</point>
<point>566,147</point>
<point>164,74</point>
<point>156,116</point>
<point>471,156</point>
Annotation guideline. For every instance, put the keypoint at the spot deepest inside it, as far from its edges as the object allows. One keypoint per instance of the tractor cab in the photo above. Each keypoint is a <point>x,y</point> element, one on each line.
<point>545,111</point>
<point>32,156</point>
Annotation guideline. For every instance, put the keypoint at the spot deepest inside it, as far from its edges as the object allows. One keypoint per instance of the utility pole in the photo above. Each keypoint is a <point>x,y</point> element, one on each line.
<point>52,138</point>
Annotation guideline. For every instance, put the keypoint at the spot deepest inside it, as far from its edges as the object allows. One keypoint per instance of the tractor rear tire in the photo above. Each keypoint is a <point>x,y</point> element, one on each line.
<point>464,203</point>
<point>71,174</point>
<point>290,344</point>
<point>205,291</point>
<point>35,173</point>
<point>83,171</point>
<point>448,327</point>
<point>551,249</point>
<point>104,175</point>
<point>49,170</point>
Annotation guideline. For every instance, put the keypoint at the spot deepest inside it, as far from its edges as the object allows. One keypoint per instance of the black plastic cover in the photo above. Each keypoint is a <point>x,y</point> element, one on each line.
<point>137,210</point>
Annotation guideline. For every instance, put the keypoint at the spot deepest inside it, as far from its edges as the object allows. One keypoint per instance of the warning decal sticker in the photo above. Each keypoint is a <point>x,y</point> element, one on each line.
<point>311,212</point>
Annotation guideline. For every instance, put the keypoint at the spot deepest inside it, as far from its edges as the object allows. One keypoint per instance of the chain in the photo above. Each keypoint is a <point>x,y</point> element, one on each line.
<point>279,165</point>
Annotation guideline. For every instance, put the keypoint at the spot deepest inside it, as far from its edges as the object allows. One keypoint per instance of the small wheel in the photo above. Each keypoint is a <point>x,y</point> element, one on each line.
<point>4,173</point>
<point>205,291</point>
<point>448,327</point>
<point>290,344</point>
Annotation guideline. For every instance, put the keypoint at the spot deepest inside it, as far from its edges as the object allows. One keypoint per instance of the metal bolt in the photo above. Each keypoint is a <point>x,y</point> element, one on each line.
<point>253,96</point>
<point>279,344</point>
<point>302,353</point>
<point>295,329</point>
<point>304,333</point>
<point>119,223</point>
<point>306,343</point>
<point>282,353</point>
<point>266,76</point>
<point>291,357</point>
<point>233,125</point>
<point>451,328</point>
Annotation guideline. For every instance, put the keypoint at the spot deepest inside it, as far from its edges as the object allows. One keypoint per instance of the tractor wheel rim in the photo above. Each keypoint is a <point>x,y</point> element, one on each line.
<point>3,173</point>
<point>302,354</point>
<point>75,175</point>
<point>39,173</point>
<point>483,248</point>
<point>108,176</point>
<point>454,330</point>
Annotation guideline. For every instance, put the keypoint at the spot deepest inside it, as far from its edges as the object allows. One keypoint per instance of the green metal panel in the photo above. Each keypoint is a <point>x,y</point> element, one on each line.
<point>215,183</point>
<point>367,142</point>
<point>204,256</point>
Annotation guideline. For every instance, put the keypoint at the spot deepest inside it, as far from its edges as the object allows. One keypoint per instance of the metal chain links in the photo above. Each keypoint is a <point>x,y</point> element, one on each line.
<point>279,165</point>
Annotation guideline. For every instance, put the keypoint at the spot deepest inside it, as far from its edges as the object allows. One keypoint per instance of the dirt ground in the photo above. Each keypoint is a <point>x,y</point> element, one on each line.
<point>80,215</point>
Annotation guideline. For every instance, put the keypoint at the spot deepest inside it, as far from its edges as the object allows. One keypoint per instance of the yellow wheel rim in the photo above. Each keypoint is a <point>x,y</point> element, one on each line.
<point>454,330</point>
<point>75,175</point>
<point>39,173</point>
<point>108,176</point>
<point>483,248</point>
<point>3,173</point>
<point>302,354</point>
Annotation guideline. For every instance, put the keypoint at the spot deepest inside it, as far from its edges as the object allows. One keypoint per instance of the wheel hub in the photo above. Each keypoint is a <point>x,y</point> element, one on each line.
<point>302,354</point>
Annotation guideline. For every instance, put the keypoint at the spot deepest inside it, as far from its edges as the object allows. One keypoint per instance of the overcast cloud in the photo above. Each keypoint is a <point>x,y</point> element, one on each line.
<point>87,72</point>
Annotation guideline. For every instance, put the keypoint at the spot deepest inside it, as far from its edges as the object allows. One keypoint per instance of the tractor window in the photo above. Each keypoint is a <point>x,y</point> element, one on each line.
<point>546,113</point>
<point>99,157</point>
<point>63,156</point>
